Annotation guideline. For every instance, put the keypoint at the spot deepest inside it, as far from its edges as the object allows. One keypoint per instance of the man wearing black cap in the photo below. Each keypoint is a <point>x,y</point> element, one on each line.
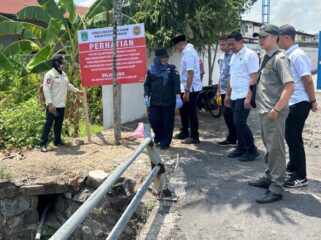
<point>191,85</point>
<point>301,102</point>
<point>274,89</point>
<point>162,93</point>
<point>244,65</point>
<point>55,87</point>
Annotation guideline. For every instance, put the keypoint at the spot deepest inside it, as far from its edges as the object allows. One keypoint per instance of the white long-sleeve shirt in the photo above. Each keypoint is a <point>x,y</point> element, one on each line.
<point>55,87</point>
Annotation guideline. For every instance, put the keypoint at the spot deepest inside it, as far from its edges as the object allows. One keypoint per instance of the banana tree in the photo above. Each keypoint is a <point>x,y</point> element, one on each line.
<point>44,31</point>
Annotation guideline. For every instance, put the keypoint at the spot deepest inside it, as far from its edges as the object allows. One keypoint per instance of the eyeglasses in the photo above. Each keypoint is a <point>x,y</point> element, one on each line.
<point>262,37</point>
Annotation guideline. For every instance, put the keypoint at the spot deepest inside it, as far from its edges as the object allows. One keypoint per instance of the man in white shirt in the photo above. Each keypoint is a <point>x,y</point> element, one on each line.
<point>301,102</point>
<point>191,85</point>
<point>243,68</point>
<point>224,65</point>
<point>55,87</point>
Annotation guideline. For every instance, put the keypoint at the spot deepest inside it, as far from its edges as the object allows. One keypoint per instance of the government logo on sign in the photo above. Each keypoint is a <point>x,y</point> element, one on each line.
<point>84,36</point>
<point>136,30</point>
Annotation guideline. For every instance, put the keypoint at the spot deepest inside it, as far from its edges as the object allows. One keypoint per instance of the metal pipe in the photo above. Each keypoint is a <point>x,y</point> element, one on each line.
<point>122,222</point>
<point>84,210</point>
<point>42,221</point>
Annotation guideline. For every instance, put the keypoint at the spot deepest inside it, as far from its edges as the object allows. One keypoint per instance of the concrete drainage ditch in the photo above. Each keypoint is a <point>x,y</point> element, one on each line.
<point>43,208</point>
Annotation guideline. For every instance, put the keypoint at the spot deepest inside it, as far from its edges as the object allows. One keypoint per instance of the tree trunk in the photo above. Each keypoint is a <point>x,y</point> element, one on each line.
<point>117,20</point>
<point>211,62</point>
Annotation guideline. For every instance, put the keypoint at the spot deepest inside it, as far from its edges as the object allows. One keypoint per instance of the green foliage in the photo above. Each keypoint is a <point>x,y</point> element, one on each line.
<point>4,174</point>
<point>94,128</point>
<point>202,21</point>
<point>22,125</point>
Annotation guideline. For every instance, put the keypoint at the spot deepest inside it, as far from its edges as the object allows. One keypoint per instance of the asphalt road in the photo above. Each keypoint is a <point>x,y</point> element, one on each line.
<point>217,203</point>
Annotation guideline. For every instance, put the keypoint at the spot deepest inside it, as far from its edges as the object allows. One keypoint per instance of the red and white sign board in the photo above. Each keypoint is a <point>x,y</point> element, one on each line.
<point>96,55</point>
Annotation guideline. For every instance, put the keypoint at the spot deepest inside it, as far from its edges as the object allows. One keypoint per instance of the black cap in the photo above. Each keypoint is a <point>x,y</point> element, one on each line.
<point>287,30</point>
<point>58,58</point>
<point>161,52</point>
<point>236,35</point>
<point>266,30</point>
<point>179,38</point>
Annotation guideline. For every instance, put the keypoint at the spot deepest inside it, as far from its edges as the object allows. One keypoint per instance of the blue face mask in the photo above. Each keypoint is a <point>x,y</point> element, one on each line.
<point>160,70</point>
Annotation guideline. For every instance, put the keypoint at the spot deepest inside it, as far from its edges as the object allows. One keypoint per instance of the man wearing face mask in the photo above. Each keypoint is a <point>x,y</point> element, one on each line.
<point>55,87</point>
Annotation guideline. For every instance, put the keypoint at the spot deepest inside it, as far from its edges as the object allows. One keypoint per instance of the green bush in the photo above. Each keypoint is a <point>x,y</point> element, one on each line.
<point>22,126</point>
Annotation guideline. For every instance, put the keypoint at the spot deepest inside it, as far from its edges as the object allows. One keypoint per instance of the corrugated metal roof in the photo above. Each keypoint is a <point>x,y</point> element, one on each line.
<point>14,6</point>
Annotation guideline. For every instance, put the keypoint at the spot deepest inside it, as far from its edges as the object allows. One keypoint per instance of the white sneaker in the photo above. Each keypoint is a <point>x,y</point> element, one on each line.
<point>294,183</point>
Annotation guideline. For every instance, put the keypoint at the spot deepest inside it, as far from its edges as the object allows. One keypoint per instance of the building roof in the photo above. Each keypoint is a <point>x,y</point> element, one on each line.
<point>12,7</point>
<point>254,23</point>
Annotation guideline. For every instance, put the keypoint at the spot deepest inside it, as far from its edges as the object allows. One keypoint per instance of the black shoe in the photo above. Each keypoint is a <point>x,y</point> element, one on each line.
<point>295,182</point>
<point>180,136</point>
<point>269,197</point>
<point>249,157</point>
<point>261,182</point>
<point>191,141</point>
<point>60,143</point>
<point>235,154</point>
<point>163,147</point>
<point>226,143</point>
<point>43,148</point>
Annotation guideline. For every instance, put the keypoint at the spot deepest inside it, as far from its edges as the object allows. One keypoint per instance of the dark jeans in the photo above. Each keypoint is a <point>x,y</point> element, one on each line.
<point>294,125</point>
<point>244,134</point>
<point>189,116</point>
<point>50,118</point>
<point>228,117</point>
<point>162,121</point>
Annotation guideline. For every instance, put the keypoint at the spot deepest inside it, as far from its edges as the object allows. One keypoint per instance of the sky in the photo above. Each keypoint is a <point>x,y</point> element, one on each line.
<point>304,15</point>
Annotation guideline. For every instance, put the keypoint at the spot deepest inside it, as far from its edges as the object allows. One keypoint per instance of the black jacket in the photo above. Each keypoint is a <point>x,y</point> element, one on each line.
<point>162,95</point>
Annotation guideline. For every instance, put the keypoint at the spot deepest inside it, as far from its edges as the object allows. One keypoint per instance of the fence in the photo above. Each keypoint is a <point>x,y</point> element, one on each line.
<point>162,185</point>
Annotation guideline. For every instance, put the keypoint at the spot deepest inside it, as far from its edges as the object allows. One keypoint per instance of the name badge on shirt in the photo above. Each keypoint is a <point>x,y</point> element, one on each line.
<point>58,79</point>
<point>268,66</point>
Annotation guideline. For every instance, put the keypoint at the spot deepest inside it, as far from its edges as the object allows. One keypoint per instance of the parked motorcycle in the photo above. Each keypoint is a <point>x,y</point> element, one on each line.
<point>207,100</point>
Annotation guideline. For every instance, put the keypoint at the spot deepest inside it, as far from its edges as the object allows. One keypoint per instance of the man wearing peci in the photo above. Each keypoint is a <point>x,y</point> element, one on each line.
<point>191,85</point>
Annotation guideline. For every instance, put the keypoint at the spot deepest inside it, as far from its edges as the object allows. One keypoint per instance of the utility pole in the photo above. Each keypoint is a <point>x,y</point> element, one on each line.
<point>117,20</point>
<point>266,11</point>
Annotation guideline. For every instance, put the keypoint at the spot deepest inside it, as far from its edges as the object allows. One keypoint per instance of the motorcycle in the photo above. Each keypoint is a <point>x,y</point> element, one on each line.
<point>207,100</point>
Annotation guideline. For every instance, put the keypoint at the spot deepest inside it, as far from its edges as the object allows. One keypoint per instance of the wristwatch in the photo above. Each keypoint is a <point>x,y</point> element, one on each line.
<point>186,90</point>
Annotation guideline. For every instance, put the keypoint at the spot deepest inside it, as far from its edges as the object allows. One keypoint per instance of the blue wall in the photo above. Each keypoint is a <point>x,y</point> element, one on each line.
<point>319,64</point>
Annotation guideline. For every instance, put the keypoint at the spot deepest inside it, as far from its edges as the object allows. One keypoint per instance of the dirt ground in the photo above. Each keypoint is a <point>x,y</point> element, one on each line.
<point>61,164</point>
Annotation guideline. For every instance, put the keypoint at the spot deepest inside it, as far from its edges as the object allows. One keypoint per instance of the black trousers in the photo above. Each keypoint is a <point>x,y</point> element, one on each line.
<point>58,118</point>
<point>162,121</point>
<point>189,117</point>
<point>228,118</point>
<point>244,134</point>
<point>294,125</point>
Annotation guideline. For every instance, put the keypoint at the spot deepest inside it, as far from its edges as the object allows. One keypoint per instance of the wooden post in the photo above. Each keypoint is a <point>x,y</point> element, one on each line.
<point>87,115</point>
<point>117,17</point>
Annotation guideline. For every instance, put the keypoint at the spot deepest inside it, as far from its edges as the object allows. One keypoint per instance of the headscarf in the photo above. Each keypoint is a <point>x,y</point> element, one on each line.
<point>160,70</point>
<point>57,61</point>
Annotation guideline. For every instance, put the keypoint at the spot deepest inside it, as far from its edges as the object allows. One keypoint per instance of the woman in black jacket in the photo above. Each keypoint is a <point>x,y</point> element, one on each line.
<point>161,94</point>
